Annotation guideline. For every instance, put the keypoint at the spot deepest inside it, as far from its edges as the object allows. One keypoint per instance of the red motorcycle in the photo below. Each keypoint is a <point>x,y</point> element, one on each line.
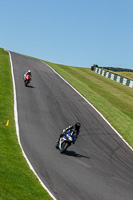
<point>27,80</point>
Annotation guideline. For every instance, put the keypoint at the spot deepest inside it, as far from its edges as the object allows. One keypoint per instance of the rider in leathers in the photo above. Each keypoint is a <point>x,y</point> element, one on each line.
<point>75,129</point>
<point>28,73</point>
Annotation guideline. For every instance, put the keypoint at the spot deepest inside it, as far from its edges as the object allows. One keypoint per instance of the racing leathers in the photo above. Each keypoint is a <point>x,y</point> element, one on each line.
<point>74,133</point>
<point>28,73</point>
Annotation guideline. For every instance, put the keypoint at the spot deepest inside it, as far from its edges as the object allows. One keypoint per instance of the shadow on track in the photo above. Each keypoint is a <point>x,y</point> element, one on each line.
<point>72,153</point>
<point>30,86</point>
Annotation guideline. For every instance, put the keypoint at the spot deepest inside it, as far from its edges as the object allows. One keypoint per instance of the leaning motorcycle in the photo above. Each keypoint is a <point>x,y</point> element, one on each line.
<point>65,141</point>
<point>27,80</point>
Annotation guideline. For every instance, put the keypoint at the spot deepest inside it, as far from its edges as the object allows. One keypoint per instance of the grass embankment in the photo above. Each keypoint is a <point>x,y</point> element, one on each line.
<point>17,181</point>
<point>112,99</point>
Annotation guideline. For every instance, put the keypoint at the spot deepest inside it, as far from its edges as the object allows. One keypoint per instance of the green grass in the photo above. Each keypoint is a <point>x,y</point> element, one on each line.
<point>112,99</point>
<point>17,181</point>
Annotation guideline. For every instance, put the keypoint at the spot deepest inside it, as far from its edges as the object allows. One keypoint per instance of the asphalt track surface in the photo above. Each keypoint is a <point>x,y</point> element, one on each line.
<point>98,167</point>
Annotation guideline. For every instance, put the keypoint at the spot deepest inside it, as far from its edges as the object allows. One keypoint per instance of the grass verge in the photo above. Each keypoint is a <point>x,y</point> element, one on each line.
<point>17,181</point>
<point>112,99</point>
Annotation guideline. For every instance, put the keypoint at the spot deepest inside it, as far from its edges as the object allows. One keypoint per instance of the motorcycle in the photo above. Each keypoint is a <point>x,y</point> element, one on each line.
<point>27,80</point>
<point>65,141</point>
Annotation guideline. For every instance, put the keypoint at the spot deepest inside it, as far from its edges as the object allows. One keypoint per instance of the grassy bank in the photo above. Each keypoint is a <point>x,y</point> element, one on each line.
<point>17,181</point>
<point>112,99</point>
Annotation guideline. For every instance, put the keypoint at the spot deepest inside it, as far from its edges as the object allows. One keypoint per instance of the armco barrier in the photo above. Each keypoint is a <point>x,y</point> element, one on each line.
<point>114,77</point>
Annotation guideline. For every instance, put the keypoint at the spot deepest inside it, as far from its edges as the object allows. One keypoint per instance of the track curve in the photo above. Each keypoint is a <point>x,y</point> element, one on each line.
<point>98,167</point>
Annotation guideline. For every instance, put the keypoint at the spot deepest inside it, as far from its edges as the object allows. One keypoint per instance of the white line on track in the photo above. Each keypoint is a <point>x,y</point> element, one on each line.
<point>17,129</point>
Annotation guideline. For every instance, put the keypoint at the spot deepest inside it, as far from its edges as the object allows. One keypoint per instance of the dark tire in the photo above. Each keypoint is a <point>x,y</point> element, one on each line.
<point>26,83</point>
<point>63,147</point>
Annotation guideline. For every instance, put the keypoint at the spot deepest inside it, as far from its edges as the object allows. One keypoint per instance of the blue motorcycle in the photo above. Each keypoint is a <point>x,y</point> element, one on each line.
<point>65,141</point>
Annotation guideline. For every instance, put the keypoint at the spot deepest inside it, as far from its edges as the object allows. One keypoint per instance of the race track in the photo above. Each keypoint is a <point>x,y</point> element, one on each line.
<point>98,167</point>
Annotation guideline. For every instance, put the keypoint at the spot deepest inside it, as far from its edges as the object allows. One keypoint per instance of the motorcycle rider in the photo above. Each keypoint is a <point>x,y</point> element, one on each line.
<point>28,73</point>
<point>75,132</point>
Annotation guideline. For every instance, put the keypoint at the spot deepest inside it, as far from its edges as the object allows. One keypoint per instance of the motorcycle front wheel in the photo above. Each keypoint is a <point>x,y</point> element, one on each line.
<point>25,83</point>
<point>63,147</point>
